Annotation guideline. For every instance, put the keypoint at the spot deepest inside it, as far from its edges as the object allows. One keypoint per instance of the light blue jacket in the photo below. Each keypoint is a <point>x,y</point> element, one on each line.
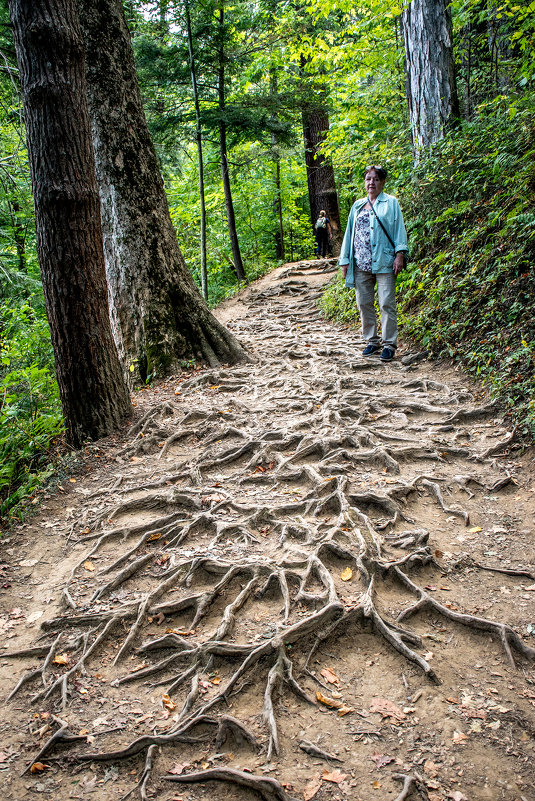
<point>388,210</point>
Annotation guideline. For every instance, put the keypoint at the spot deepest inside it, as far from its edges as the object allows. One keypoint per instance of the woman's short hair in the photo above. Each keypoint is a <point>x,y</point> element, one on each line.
<point>381,171</point>
<point>323,212</point>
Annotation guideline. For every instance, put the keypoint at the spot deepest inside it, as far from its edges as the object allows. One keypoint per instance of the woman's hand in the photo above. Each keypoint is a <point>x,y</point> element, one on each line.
<point>344,269</point>
<point>399,262</point>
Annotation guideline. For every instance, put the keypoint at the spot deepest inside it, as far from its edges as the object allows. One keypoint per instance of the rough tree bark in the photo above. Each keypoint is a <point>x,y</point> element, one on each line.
<point>158,315</point>
<point>49,48</point>
<point>320,174</point>
<point>430,85</point>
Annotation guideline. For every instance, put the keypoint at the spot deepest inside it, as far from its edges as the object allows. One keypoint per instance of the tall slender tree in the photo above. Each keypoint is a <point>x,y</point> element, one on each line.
<point>277,199</point>
<point>50,55</point>
<point>431,86</point>
<point>198,141</point>
<point>158,315</point>
<point>225,174</point>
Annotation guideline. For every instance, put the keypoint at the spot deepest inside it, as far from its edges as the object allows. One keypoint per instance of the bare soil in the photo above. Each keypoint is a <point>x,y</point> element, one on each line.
<point>306,577</point>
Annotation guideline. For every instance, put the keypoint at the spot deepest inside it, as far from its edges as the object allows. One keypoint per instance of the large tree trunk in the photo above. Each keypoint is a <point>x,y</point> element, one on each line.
<point>229,204</point>
<point>50,54</point>
<point>431,87</point>
<point>158,315</point>
<point>320,174</point>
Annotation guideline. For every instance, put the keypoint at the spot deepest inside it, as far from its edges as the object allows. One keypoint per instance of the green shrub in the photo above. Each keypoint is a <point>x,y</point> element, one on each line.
<point>30,413</point>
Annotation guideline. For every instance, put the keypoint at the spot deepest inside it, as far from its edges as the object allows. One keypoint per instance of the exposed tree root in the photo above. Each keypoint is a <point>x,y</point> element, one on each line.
<point>145,776</point>
<point>318,753</point>
<point>289,518</point>
<point>507,636</point>
<point>268,789</point>
<point>411,785</point>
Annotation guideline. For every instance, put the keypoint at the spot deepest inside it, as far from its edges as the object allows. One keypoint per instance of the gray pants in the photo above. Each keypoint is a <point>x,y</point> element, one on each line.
<point>386,291</point>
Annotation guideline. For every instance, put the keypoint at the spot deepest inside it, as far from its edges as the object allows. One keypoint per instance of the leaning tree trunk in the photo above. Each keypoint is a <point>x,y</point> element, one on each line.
<point>320,174</point>
<point>431,88</point>
<point>49,48</point>
<point>158,315</point>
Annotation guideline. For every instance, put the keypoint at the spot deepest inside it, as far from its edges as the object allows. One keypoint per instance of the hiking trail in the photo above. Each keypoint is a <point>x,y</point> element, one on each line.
<point>305,577</point>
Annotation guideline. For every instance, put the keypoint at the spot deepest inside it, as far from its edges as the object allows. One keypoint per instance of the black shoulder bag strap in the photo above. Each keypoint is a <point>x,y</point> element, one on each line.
<point>384,229</point>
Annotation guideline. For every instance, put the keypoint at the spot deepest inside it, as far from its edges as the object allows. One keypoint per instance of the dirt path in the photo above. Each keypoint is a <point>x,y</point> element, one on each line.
<point>310,576</point>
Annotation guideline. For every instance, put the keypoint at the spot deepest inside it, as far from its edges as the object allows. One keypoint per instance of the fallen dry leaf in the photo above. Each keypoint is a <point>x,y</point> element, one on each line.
<point>381,759</point>
<point>311,789</point>
<point>168,703</point>
<point>387,709</point>
<point>179,768</point>
<point>181,632</point>
<point>326,701</point>
<point>346,574</point>
<point>329,676</point>
<point>38,767</point>
<point>335,776</point>
<point>430,769</point>
<point>474,529</point>
<point>154,537</point>
<point>344,710</point>
<point>459,737</point>
<point>89,566</point>
<point>61,659</point>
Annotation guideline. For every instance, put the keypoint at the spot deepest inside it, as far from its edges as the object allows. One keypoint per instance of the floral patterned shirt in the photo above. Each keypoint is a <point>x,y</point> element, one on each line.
<point>362,242</point>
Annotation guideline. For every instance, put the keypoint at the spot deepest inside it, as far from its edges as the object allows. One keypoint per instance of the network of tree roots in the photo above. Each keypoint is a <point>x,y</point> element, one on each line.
<point>278,513</point>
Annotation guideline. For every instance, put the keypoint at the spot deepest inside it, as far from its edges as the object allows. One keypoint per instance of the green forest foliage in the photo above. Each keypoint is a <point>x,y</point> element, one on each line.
<point>468,292</point>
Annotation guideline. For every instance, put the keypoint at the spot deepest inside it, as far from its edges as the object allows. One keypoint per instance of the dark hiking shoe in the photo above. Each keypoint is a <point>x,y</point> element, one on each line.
<point>387,355</point>
<point>369,350</point>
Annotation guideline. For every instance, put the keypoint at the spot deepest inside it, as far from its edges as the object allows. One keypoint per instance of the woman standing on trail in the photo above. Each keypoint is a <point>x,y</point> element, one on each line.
<point>373,252</point>
<point>323,233</point>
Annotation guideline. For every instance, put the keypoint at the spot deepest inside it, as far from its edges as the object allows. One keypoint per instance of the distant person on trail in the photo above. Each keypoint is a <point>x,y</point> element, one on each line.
<point>323,233</point>
<point>374,252</point>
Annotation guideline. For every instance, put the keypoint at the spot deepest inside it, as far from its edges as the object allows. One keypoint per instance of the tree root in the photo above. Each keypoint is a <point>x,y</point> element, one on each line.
<point>230,727</point>
<point>229,536</point>
<point>507,636</point>
<point>268,789</point>
<point>280,673</point>
<point>410,784</point>
<point>145,776</point>
<point>435,490</point>
<point>61,683</point>
<point>498,446</point>
<point>32,674</point>
<point>318,753</point>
